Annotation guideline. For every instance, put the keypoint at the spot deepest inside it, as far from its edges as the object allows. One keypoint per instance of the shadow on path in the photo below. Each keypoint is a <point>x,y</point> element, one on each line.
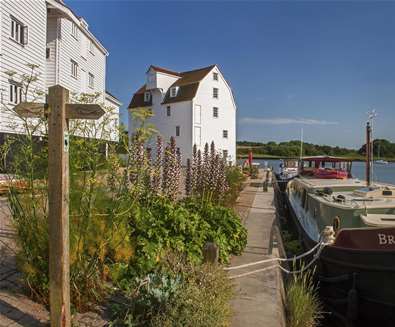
<point>21,318</point>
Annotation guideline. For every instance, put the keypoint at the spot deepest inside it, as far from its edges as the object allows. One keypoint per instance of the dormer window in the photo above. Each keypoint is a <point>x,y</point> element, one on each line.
<point>147,96</point>
<point>173,91</point>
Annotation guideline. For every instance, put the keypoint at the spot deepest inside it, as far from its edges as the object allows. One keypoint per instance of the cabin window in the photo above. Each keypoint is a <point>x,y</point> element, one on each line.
<point>177,130</point>
<point>74,69</point>
<point>215,112</point>
<point>147,96</point>
<point>19,31</point>
<point>215,93</point>
<point>74,30</point>
<point>173,92</point>
<point>168,111</point>
<point>225,134</point>
<point>91,80</point>
<point>215,76</point>
<point>15,95</point>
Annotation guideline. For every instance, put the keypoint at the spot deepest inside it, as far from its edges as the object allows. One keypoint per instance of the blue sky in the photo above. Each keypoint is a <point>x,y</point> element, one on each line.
<point>319,66</point>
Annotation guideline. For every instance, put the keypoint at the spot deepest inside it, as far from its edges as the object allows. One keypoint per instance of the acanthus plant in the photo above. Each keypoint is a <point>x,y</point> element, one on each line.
<point>210,172</point>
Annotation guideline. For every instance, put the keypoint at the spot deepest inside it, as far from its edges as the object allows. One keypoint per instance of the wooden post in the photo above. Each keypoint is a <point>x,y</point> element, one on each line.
<point>59,114</point>
<point>58,193</point>
<point>211,253</point>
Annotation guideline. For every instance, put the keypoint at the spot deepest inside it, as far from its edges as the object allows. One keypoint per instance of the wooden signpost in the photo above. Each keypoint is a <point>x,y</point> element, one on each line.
<point>59,112</point>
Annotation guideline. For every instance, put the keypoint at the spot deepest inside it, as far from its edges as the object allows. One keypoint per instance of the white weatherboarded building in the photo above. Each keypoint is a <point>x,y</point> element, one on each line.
<point>196,107</point>
<point>48,34</point>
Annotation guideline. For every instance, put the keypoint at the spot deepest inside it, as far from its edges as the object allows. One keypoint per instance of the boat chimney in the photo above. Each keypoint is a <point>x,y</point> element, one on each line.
<point>368,154</point>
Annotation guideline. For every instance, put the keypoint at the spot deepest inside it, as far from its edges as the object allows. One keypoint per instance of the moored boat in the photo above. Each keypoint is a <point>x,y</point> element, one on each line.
<point>356,271</point>
<point>289,169</point>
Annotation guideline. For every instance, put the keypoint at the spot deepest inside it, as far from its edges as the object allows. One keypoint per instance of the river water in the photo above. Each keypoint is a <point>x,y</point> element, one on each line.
<point>381,173</point>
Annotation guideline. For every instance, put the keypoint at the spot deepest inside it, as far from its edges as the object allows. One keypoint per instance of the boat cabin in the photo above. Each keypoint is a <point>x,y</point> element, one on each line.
<point>326,167</point>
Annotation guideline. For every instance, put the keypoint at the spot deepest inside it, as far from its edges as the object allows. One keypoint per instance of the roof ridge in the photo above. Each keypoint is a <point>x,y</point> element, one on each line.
<point>195,70</point>
<point>164,70</point>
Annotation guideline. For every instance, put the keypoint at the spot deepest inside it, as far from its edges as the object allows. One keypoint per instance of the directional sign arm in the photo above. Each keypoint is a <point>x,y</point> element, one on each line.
<point>83,111</point>
<point>30,109</point>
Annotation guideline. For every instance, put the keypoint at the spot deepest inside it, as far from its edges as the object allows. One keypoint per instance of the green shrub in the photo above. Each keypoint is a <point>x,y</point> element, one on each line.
<point>224,227</point>
<point>235,179</point>
<point>159,225</point>
<point>303,306</point>
<point>177,294</point>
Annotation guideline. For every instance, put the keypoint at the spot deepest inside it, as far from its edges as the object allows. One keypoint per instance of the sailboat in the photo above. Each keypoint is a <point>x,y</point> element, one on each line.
<point>380,161</point>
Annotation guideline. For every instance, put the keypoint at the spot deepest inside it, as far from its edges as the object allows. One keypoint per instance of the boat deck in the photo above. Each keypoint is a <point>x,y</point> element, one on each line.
<point>351,193</point>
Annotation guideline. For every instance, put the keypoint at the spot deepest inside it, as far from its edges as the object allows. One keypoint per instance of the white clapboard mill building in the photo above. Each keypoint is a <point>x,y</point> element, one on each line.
<point>196,107</point>
<point>48,34</point>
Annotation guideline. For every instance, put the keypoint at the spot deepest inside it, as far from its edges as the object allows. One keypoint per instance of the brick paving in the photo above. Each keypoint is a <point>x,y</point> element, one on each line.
<point>16,309</point>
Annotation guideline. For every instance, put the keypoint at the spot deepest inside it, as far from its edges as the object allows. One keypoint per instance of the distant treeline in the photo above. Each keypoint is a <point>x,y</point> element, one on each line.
<point>292,149</point>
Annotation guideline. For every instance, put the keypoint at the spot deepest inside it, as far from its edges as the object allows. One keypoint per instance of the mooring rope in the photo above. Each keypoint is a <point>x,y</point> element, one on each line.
<point>315,258</point>
<point>276,259</point>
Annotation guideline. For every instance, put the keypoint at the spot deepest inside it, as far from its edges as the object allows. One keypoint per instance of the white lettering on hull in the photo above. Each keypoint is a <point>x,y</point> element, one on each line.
<point>385,239</point>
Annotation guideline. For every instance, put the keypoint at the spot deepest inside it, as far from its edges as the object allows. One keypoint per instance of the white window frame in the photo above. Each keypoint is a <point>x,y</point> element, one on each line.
<point>215,76</point>
<point>215,112</point>
<point>225,133</point>
<point>173,91</point>
<point>74,30</point>
<point>147,96</point>
<point>18,31</point>
<point>74,69</point>
<point>215,93</point>
<point>91,80</point>
<point>15,93</point>
<point>178,130</point>
<point>91,47</point>
<point>225,154</point>
<point>168,111</point>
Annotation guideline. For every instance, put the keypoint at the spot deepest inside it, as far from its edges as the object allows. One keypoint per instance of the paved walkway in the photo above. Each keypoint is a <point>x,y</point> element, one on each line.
<point>258,300</point>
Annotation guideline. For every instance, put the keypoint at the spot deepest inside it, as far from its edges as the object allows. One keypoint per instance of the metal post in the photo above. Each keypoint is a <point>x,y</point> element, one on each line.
<point>368,154</point>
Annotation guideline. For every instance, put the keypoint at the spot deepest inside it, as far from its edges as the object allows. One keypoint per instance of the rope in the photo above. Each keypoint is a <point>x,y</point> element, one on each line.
<point>276,259</point>
<point>320,246</point>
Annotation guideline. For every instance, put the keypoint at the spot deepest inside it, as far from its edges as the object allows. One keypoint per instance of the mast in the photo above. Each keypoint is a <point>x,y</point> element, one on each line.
<point>301,143</point>
<point>368,154</point>
<point>371,114</point>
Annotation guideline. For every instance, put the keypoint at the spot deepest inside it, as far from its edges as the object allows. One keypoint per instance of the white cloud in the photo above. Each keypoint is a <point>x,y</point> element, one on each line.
<point>285,121</point>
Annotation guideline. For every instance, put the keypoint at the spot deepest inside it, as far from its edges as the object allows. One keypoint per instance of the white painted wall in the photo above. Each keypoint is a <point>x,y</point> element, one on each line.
<point>14,56</point>
<point>195,118</point>
<point>71,48</point>
<point>56,34</point>
<point>159,80</point>
<point>211,127</point>
<point>181,115</point>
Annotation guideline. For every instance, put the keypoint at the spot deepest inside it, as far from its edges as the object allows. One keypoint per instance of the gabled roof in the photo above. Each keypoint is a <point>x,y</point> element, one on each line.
<point>164,70</point>
<point>138,99</point>
<point>113,98</point>
<point>188,85</point>
<point>69,14</point>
